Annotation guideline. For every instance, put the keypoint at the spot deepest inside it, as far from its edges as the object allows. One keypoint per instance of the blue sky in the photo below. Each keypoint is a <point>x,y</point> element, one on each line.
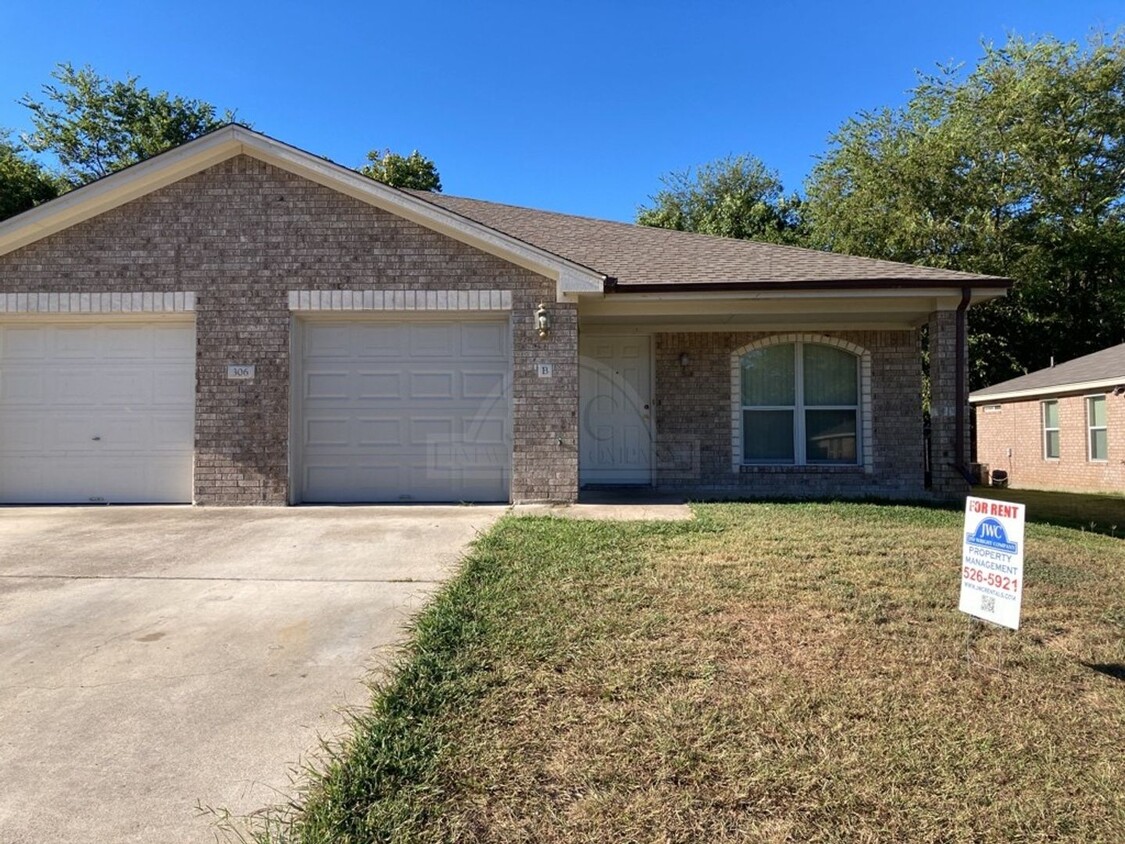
<point>571,106</point>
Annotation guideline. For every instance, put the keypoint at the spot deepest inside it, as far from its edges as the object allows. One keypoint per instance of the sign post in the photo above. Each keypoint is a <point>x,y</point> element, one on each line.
<point>992,561</point>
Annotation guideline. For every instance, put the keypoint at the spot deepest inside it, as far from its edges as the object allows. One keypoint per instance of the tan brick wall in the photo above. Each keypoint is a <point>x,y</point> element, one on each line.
<point>947,480</point>
<point>242,234</point>
<point>1018,426</point>
<point>693,422</point>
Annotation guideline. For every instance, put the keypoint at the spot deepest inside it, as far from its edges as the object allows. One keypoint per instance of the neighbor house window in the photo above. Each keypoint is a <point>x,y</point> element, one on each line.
<point>1051,430</point>
<point>800,405</point>
<point>1096,425</point>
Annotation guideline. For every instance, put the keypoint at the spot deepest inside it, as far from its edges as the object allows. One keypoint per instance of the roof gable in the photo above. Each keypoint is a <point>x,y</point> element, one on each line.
<point>195,156</point>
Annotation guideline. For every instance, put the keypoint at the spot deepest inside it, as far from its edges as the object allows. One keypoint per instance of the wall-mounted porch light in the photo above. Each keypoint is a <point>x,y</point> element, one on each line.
<point>685,358</point>
<point>543,321</point>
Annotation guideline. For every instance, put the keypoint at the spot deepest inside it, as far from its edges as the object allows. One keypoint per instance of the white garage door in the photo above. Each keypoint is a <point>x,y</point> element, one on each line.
<point>404,410</point>
<point>96,411</point>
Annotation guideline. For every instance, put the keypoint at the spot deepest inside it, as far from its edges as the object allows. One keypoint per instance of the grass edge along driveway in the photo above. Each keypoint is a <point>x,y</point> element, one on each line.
<point>766,672</point>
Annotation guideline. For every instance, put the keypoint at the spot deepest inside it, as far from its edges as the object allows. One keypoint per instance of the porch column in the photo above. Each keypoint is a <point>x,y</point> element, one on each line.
<point>944,402</point>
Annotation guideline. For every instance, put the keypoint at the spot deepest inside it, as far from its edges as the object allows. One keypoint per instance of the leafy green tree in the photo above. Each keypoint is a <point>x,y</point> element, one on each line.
<point>94,125</point>
<point>1015,167</point>
<point>413,171</point>
<point>736,196</point>
<point>23,183</point>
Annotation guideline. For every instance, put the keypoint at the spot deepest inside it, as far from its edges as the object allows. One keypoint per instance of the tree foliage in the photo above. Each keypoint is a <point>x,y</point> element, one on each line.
<point>23,183</point>
<point>95,125</point>
<point>413,171</point>
<point>1015,168</point>
<point>736,196</point>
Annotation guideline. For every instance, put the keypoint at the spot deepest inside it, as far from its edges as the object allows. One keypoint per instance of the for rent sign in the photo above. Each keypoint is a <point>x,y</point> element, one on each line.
<point>992,561</point>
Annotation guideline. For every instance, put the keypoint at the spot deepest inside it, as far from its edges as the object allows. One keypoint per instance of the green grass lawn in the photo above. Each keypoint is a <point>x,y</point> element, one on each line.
<point>767,672</point>
<point>1099,513</point>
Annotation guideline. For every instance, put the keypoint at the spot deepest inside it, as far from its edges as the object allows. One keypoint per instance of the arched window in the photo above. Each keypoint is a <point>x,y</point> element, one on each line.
<point>799,404</point>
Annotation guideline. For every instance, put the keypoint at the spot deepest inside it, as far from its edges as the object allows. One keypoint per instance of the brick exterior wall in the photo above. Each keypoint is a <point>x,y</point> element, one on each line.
<point>240,236</point>
<point>947,481</point>
<point>1018,426</point>
<point>693,414</point>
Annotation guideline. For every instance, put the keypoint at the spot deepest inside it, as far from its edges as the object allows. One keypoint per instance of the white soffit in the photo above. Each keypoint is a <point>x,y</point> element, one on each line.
<point>162,170</point>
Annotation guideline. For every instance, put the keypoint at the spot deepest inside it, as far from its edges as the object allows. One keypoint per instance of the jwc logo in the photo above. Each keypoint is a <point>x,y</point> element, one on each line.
<point>990,534</point>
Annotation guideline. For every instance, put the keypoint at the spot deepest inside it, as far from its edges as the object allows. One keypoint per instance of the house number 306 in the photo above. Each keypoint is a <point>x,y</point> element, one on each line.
<point>240,371</point>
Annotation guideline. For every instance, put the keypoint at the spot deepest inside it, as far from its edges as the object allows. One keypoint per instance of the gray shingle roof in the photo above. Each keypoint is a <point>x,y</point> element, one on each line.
<point>1106,365</point>
<point>640,255</point>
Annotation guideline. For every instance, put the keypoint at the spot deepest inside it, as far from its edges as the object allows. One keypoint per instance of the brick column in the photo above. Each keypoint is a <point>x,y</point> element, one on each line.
<point>947,481</point>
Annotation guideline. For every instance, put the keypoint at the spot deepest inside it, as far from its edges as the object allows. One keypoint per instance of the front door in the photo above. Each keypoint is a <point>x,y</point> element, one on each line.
<point>615,396</point>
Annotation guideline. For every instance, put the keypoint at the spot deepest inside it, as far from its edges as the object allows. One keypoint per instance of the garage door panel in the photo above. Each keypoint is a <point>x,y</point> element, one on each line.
<point>132,342</point>
<point>76,343</point>
<point>173,388</point>
<point>20,389</point>
<point>430,385</point>
<point>486,432</point>
<point>377,341</point>
<point>326,385</point>
<point>327,432</point>
<point>79,387</point>
<point>22,344</point>
<point>96,411</point>
<point>430,432</point>
<point>126,386</point>
<point>21,433</point>
<point>379,385</point>
<point>481,385</point>
<point>426,424</point>
<point>379,432</point>
<point>174,347</point>
<point>488,340</point>
<point>437,340</point>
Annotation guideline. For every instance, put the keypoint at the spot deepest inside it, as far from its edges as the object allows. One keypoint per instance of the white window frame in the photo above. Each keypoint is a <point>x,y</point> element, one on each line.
<point>862,407</point>
<point>1091,428</point>
<point>1043,425</point>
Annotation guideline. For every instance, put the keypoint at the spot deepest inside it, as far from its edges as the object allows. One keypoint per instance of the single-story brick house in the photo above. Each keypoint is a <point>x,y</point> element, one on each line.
<point>237,321</point>
<point>1060,428</point>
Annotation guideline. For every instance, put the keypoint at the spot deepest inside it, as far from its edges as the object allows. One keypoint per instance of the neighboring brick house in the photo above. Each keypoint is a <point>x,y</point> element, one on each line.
<point>1060,428</point>
<point>237,321</point>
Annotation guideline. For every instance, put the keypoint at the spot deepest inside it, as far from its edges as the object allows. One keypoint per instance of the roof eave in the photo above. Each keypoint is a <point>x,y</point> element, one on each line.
<point>999,285</point>
<point>982,397</point>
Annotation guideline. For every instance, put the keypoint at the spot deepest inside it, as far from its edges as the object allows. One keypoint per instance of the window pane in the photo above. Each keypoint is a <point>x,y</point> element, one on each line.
<point>830,436</point>
<point>1050,414</point>
<point>1098,445</point>
<point>768,376</point>
<point>1097,411</point>
<point>1052,444</point>
<point>830,376</point>
<point>767,436</point>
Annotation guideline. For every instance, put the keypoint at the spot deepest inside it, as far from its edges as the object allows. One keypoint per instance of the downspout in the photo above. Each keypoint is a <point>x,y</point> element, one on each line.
<point>961,332</point>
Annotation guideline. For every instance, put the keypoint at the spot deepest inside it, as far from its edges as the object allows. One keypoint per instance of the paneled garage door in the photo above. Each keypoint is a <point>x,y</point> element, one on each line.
<point>96,411</point>
<point>404,410</point>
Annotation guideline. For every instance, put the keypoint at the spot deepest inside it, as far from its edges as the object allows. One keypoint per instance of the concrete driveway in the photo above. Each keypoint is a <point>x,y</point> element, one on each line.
<point>153,658</point>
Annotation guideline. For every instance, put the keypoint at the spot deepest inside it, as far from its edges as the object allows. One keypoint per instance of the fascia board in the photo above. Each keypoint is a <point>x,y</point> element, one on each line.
<point>1057,389</point>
